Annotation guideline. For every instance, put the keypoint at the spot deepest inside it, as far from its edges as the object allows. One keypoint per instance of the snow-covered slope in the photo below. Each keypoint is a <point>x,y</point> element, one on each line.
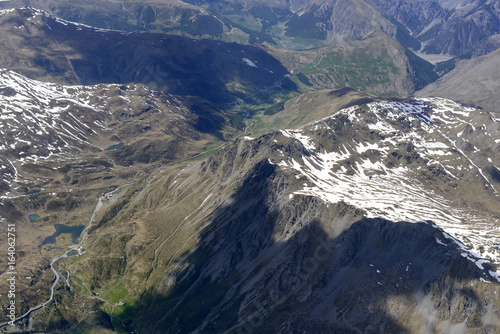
<point>39,120</point>
<point>42,121</point>
<point>417,160</point>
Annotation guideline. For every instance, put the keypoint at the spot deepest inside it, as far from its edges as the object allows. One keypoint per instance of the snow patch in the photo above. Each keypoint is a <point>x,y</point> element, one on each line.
<point>249,62</point>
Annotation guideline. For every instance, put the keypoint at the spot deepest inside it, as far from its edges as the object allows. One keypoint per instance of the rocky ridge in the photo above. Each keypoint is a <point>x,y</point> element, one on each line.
<point>278,234</point>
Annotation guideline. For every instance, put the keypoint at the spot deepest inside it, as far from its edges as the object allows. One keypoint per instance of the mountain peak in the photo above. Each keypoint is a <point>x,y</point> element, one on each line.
<point>401,160</point>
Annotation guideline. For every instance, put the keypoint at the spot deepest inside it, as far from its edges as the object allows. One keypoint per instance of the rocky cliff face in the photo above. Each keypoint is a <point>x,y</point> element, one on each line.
<point>444,27</point>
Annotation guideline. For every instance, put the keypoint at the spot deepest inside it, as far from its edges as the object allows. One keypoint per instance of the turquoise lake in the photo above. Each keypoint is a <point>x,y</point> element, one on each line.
<point>33,217</point>
<point>114,147</point>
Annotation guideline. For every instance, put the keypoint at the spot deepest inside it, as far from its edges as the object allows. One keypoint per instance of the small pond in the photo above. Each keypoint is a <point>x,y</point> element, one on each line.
<point>75,232</point>
<point>32,192</point>
<point>33,217</point>
<point>114,147</point>
<point>73,253</point>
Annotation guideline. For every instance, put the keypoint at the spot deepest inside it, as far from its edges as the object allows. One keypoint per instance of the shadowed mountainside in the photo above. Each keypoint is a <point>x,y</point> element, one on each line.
<point>50,49</point>
<point>265,262</point>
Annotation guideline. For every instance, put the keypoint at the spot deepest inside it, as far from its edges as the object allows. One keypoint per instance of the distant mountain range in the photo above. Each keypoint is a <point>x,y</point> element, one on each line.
<point>435,27</point>
<point>227,74</point>
<point>446,27</point>
<point>51,49</point>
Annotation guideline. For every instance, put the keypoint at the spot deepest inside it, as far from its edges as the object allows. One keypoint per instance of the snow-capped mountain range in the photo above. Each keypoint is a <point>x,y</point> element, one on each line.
<point>41,122</point>
<point>397,173</point>
<point>383,157</point>
<point>211,192</point>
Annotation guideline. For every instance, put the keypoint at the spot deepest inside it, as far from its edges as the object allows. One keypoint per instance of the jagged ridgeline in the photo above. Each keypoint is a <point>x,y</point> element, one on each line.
<point>288,231</point>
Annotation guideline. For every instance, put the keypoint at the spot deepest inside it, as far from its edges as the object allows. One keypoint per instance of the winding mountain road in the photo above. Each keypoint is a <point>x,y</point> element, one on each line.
<point>57,275</point>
